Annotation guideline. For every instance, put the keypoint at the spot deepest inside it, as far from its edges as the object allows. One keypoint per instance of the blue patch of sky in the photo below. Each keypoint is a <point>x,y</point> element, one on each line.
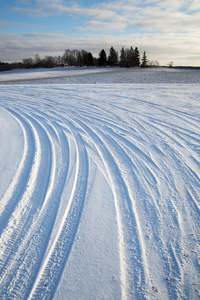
<point>87,3</point>
<point>7,13</point>
<point>185,9</point>
<point>21,23</point>
<point>6,5</point>
<point>64,24</point>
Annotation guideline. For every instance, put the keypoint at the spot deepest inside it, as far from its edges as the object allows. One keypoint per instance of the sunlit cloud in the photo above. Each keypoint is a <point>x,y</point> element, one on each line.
<point>194,5</point>
<point>104,26</point>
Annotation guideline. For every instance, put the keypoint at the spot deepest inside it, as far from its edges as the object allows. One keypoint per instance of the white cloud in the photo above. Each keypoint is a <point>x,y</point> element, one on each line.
<point>44,35</point>
<point>194,5</point>
<point>9,24</point>
<point>163,48</point>
<point>104,26</point>
<point>166,15</point>
<point>5,23</point>
<point>97,13</point>
<point>171,5</point>
<point>48,8</point>
<point>174,22</point>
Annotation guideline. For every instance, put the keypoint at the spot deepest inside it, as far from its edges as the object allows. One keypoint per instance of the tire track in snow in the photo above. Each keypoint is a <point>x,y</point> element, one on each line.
<point>28,258</point>
<point>184,157</point>
<point>174,289</point>
<point>132,258</point>
<point>163,178</point>
<point>143,187</point>
<point>177,150</point>
<point>24,205</point>
<point>29,261</point>
<point>51,270</point>
<point>133,179</point>
<point>153,171</point>
<point>168,152</point>
<point>29,203</point>
<point>15,190</point>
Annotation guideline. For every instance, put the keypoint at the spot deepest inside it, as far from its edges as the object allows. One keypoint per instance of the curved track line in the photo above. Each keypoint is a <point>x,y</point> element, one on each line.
<point>31,251</point>
<point>154,160</point>
<point>53,265</point>
<point>28,206</point>
<point>10,198</point>
<point>130,242</point>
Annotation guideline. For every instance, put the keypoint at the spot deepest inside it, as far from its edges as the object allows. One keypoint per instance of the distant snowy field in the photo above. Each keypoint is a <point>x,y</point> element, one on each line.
<point>33,74</point>
<point>100,184</point>
<point>100,75</point>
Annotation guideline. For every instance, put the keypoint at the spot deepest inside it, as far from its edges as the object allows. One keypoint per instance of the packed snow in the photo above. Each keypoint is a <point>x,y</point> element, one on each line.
<point>100,184</point>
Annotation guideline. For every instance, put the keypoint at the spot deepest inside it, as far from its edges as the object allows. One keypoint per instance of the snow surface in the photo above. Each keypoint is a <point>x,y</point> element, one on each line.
<point>100,75</point>
<point>99,187</point>
<point>35,74</point>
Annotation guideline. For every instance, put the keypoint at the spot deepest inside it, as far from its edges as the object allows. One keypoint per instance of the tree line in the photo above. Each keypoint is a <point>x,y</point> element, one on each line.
<point>127,57</point>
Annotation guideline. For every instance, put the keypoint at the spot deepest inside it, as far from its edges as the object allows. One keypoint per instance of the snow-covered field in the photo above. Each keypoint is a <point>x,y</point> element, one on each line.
<point>35,74</point>
<point>100,184</point>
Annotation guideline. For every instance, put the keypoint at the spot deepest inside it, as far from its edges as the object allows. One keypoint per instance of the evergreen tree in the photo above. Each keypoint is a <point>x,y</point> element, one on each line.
<point>102,58</point>
<point>144,60</point>
<point>131,57</point>
<point>123,58</point>
<point>137,57</point>
<point>113,58</point>
<point>90,60</point>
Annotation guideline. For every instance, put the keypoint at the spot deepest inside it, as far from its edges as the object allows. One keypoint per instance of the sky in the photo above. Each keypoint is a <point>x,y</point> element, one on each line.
<point>167,30</point>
